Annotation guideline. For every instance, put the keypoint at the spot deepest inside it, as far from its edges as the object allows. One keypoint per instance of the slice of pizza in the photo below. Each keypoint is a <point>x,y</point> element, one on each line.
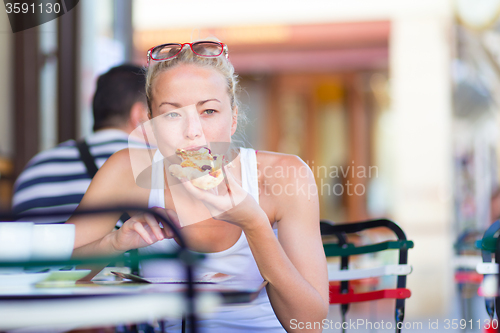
<point>199,166</point>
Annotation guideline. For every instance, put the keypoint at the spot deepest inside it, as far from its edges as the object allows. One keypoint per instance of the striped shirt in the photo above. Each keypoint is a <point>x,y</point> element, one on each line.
<point>56,179</point>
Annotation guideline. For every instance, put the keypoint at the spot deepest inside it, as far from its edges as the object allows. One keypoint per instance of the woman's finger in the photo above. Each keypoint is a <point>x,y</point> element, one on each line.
<point>141,231</point>
<point>160,211</point>
<point>231,184</point>
<point>196,192</point>
<point>168,233</point>
<point>154,226</point>
<point>234,187</point>
<point>172,215</point>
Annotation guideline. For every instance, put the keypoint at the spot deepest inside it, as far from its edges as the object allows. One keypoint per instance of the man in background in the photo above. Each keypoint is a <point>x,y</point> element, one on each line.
<point>56,179</point>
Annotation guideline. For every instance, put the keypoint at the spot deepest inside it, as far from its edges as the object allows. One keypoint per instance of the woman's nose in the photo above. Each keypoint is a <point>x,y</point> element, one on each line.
<point>193,127</point>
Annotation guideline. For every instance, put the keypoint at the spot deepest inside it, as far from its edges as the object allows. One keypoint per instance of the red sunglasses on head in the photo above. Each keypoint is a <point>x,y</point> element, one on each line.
<point>202,49</point>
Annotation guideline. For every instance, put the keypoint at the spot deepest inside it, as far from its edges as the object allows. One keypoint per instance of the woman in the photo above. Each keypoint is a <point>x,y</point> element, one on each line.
<point>263,222</point>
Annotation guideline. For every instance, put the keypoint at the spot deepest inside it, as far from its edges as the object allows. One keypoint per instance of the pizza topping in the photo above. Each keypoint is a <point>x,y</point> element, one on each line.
<point>215,173</point>
<point>206,167</point>
<point>188,163</point>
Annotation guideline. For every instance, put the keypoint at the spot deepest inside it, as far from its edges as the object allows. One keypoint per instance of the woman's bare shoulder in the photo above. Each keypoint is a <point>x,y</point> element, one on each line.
<point>131,157</point>
<point>115,183</point>
<point>134,152</point>
<point>127,164</point>
<point>281,166</point>
<point>286,183</point>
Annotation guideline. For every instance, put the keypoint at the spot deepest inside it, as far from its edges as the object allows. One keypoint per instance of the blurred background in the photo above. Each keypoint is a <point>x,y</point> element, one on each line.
<point>392,103</point>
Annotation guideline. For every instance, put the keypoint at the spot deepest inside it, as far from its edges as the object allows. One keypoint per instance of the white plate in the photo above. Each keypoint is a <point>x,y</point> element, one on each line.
<point>8,281</point>
<point>63,278</point>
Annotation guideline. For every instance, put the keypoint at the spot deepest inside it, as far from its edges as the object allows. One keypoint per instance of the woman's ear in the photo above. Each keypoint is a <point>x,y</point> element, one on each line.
<point>149,109</point>
<point>234,122</point>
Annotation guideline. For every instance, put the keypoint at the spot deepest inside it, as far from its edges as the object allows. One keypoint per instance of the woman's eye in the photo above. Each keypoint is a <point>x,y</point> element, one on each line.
<point>209,111</point>
<point>172,115</point>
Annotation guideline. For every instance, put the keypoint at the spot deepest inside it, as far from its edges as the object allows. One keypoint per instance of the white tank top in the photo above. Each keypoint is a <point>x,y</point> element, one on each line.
<point>256,316</point>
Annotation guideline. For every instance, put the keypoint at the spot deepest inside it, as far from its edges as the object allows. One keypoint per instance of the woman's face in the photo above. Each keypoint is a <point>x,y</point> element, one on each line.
<point>190,108</point>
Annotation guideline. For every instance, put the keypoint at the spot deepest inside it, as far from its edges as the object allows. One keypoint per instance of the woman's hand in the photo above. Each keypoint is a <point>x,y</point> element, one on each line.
<point>228,202</point>
<point>143,229</point>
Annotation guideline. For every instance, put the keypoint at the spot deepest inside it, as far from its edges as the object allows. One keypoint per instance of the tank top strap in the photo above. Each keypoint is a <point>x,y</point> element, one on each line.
<point>157,194</point>
<point>249,175</point>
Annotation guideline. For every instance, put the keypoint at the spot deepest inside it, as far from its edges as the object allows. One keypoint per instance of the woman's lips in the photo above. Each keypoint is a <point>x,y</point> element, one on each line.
<point>194,147</point>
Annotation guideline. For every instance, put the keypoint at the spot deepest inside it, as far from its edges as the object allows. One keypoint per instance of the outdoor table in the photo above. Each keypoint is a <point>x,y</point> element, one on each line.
<point>97,304</point>
<point>106,303</point>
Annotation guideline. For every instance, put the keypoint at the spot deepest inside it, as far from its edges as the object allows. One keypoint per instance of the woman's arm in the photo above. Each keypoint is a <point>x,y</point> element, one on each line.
<point>114,185</point>
<point>294,266</point>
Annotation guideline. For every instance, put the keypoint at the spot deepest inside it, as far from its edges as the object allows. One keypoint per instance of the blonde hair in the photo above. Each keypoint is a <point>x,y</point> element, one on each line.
<point>186,56</point>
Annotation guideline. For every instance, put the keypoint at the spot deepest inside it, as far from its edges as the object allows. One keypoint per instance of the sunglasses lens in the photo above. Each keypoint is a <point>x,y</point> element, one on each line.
<point>210,49</point>
<point>166,51</point>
